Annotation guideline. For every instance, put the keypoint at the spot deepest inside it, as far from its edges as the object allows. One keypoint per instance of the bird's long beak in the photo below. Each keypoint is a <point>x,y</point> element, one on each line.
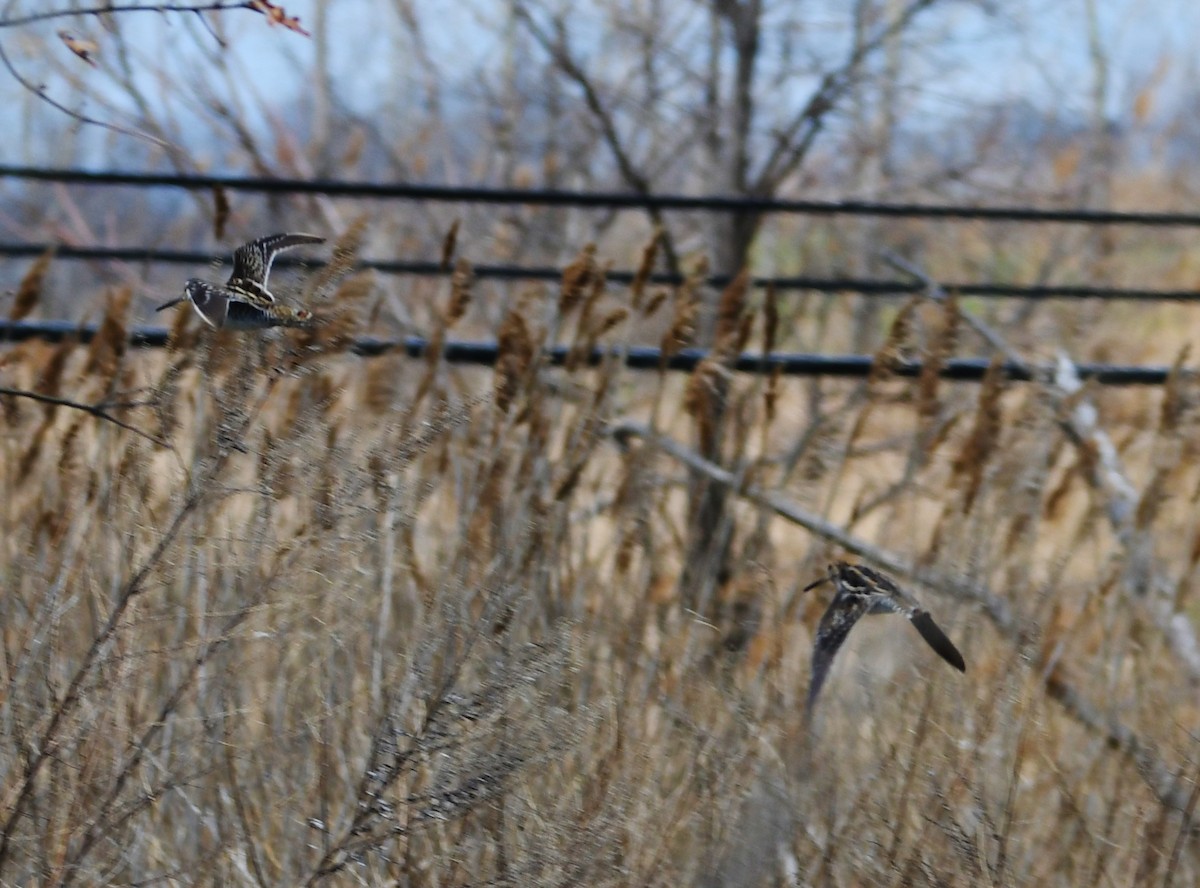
<point>175,301</point>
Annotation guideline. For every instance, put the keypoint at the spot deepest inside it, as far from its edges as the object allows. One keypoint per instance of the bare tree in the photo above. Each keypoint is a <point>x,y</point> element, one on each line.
<point>737,89</point>
<point>106,13</point>
<point>731,94</point>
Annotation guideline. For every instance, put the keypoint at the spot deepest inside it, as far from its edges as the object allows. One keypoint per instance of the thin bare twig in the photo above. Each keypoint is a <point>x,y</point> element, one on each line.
<point>101,823</point>
<point>559,51</point>
<point>112,9</point>
<point>109,8</point>
<point>50,740</point>
<point>40,92</point>
<point>96,410</point>
<point>793,141</point>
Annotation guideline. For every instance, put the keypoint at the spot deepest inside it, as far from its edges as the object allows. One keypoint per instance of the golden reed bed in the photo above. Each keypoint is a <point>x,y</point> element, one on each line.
<point>307,619</point>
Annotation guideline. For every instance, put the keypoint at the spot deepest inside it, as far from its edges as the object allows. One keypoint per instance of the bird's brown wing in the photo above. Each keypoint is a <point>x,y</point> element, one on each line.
<point>252,261</point>
<point>846,609</point>
<point>891,598</point>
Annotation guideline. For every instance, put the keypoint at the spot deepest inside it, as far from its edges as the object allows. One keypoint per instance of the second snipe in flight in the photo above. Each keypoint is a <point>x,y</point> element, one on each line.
<point>860,591</point>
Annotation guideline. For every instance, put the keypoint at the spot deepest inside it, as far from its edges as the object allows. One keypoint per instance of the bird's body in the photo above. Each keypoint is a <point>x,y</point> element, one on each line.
<point>861,591</point>
<point>244,302</point>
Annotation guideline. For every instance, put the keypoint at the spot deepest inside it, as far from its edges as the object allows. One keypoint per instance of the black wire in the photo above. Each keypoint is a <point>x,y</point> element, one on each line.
<point>635,357</point>
<point>564,197</point>
<point>866,286</point>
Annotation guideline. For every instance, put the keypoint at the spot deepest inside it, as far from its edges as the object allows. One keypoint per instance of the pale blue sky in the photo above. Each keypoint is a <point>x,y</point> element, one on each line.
<point>1032,50</point>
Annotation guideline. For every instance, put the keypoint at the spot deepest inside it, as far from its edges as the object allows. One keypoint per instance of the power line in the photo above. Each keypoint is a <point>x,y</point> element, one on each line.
<point>866,286</point>
<point>608,199</point>
<point>635,357</point>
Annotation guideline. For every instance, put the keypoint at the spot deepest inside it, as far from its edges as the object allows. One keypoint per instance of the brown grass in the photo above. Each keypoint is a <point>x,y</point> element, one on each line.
<point>29,291</point>
<point>393,621</point>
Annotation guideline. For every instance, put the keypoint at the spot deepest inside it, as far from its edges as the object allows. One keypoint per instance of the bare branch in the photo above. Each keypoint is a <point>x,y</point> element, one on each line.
<point>96,410</point>
<point>109,8</point>
<point>556,46</point>
<point>101,822</point>
<point>795,139</point>
<point>40,92</point>
<point>273,13</point>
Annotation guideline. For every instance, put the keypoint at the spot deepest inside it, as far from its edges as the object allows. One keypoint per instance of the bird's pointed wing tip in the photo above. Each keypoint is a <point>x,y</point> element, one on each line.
<point>814,691</point>
<point>938,640</point>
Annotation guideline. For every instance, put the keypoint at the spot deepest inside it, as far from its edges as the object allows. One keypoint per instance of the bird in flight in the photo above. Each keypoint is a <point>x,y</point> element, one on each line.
<point>244,302</point>
<point>860,591</point>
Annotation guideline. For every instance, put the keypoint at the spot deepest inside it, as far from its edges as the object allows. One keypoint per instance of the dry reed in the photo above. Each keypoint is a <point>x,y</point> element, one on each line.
<point>362,623</point>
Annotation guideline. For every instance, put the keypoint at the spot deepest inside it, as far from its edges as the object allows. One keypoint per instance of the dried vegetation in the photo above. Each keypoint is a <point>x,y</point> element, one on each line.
<point>391,621</point>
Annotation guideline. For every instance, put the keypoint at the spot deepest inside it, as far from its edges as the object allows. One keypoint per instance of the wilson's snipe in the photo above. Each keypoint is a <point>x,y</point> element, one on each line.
<point>245,303</point>
<point>861,591</point>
